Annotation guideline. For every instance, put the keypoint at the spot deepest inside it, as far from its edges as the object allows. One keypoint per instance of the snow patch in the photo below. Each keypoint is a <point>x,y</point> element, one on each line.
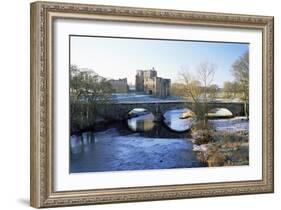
<point>233,125</point>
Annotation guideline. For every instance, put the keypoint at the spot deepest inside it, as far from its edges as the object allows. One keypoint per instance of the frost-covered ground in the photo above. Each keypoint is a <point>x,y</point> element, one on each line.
<point>135,97</point>
<point>175,122</point>
<point>229,145</point>
<point>231,125</point>
<point>110,151</point>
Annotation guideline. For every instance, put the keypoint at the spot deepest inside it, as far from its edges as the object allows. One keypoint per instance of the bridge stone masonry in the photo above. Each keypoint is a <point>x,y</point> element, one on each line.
<point>120,110</point>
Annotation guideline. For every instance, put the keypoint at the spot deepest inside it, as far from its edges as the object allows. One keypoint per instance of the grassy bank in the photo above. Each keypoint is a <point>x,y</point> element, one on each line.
<point>221,148</point>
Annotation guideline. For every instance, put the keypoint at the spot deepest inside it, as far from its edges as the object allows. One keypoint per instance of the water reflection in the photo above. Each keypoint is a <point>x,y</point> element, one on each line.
<point>175,121</point>
<point>142,123</point>
<point>81,143</point>
<point>114,150</point>
<point>141,143</point>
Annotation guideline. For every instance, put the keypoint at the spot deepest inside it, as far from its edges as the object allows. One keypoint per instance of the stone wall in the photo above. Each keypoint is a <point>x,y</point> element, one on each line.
<point>86,115</point>
<point>121,110</point>
<point>119,85</point>
<point>163,87</point>
<point>139,84</point>
<point>148,82</point>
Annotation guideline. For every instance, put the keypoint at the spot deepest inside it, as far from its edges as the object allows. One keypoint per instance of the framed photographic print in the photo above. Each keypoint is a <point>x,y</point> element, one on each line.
<point>136,104</point>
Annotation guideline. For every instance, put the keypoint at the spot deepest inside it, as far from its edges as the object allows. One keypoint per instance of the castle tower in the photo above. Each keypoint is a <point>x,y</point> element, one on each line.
<point>148,82</point>
<point>139,81</point>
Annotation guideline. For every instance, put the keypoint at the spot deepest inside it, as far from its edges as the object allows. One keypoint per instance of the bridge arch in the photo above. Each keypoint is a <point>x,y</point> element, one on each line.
<point>119,111</point>
<point>140,119</point>
<point>138,111</point>
<point>186,112</point>
<point>219,112</point>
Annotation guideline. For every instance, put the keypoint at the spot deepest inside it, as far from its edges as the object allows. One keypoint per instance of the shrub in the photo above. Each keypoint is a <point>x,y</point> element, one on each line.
<point>201,133</point>
<point>202,137</point>
<point>200,125</point>
<point>225,149</point>
<point>216,159</point>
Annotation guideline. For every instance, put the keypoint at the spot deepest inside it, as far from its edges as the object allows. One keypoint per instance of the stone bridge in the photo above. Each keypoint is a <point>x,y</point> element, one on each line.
<point>120,110</point>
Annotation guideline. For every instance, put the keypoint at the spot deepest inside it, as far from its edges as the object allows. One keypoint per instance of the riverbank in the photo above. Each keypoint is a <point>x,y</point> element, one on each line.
<point>227,142</point>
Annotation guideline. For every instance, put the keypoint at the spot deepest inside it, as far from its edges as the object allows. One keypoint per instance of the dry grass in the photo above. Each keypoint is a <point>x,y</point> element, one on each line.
<point>201,133</point>
<point>224,148</point>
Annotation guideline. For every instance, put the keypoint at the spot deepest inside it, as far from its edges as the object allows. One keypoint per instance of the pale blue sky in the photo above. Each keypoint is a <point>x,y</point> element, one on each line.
<point>119,57</point>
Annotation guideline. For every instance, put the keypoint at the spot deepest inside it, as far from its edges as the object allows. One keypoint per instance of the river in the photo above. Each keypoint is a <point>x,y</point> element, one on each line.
<point>140,143</point>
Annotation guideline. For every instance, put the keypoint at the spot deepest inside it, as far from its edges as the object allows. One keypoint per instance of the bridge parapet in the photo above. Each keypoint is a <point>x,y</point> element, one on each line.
<point>86,116</point>
<point>121,110</point>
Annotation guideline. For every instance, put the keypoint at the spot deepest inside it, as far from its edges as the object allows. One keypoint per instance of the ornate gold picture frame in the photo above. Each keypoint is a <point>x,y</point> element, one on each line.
<point>43,113</point>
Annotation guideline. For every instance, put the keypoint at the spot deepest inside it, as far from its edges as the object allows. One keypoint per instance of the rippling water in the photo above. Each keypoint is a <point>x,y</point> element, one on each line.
<point>141,143</point>
<point>111,151</point>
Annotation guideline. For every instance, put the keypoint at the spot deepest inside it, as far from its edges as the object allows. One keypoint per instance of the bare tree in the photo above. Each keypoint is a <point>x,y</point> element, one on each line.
<point>88,91</point>
<point>191,87</point>
<point>206,72</point>
<point>240,70</point>
<point>213,90</point>
<point>88,86</point>
<point>196,88</point>
<point>231,89</point>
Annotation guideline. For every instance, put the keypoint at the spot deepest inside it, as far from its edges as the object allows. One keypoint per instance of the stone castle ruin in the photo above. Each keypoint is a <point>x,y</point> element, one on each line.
<point>119,85</point>
<point>148,82</point>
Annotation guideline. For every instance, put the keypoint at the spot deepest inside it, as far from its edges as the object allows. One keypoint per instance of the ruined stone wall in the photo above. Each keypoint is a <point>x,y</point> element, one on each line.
<point>148,82</point>
<point>139,81</point>
<point>163,87</point>
<point>120,85</point>
<point>150,85</point>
